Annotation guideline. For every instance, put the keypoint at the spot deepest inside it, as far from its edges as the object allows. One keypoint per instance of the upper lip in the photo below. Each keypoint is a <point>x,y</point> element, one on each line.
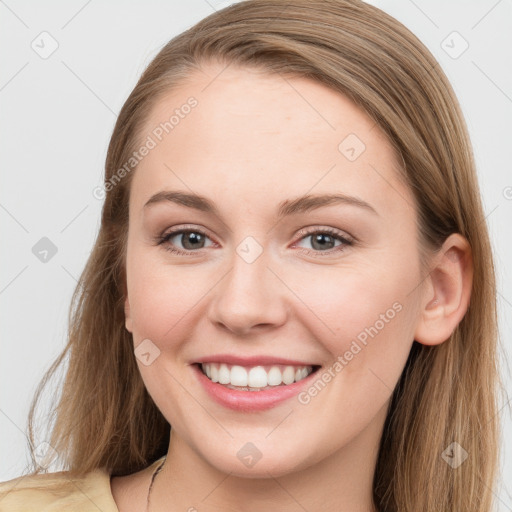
<point>251,361</point>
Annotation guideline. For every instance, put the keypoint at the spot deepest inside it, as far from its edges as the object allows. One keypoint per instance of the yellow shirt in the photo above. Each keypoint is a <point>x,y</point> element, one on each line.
<point>55,492</point>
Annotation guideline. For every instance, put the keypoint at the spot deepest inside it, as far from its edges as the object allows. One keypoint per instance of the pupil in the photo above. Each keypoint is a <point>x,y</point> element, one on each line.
<point>321,240</point>
<point>194,237</point>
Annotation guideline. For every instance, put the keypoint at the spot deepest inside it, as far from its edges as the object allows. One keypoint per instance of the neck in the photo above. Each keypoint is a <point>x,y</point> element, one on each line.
<point>341,482</point>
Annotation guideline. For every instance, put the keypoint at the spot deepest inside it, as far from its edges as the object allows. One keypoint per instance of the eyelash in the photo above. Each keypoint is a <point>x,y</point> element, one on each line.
<point>304,233</point>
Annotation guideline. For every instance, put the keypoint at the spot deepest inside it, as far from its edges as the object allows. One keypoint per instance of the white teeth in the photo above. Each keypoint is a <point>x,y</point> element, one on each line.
<point>274,376</point>
<point>238,376</point>
<point>301,373</point>
<point>289,375</point>
<point>214,369</point>
<point>224,374</point>
<point>257,377</point>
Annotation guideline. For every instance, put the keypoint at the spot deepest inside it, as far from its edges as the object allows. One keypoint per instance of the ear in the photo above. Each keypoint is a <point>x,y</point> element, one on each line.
<point>447,291</point>
<point>128,319</point>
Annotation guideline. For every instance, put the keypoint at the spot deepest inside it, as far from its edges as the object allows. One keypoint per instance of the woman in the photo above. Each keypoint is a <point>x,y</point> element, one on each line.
<point>293,272</point>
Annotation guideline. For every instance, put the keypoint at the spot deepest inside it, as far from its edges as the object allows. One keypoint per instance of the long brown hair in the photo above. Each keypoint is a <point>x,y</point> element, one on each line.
<point>105,418</point>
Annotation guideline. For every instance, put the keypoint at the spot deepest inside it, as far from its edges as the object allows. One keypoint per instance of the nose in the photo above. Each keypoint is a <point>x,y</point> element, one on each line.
<point>250,297</point>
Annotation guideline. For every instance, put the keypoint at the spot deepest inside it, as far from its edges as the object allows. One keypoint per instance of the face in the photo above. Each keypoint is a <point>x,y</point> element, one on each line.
<point>260,281</point>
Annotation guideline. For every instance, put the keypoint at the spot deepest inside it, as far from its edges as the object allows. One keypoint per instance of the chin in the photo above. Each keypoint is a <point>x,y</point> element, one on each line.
<point>249,462</point>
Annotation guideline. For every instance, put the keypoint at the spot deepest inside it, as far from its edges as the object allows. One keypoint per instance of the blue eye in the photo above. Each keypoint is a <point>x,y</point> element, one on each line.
<point>194,238</point>
<point>323,241</point>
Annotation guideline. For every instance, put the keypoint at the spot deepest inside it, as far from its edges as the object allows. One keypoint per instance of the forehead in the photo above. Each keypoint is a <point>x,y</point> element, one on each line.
<point>264,136</point>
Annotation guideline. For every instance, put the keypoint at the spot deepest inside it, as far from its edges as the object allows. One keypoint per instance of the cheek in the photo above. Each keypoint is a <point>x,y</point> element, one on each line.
<point>370,321</point>
<point>364,311</point>
<point>161,296</point>
<point>345,300</point>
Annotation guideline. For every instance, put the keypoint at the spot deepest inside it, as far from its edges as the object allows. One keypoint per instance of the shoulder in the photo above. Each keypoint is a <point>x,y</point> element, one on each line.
<point>58,492</point>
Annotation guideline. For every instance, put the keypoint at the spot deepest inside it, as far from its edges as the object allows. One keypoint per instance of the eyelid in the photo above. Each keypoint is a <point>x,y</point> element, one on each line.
<point>185,228</point>
<point>326,229</point>
<point>302,232</point>
<point>346,239</point>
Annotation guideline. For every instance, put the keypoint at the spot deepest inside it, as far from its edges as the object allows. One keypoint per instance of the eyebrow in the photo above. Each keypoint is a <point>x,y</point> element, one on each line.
<point>288,207</point>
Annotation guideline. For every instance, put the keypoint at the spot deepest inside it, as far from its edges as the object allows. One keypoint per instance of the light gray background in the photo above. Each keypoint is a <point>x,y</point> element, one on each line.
<point>57,115</point>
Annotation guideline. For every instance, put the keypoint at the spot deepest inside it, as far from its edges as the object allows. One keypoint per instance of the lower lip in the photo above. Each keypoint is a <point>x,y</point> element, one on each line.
<point>249,401</point>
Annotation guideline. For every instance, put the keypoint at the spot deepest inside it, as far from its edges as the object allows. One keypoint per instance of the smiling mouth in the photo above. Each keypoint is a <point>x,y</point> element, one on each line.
<point>255,378</point>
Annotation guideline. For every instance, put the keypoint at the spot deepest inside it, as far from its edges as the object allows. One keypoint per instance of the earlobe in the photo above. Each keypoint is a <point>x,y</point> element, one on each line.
<point>127,314</point>
<point>447,292</point>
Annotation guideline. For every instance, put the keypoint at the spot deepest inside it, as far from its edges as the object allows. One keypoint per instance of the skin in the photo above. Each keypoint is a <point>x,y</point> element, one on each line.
<point>252,142</point>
